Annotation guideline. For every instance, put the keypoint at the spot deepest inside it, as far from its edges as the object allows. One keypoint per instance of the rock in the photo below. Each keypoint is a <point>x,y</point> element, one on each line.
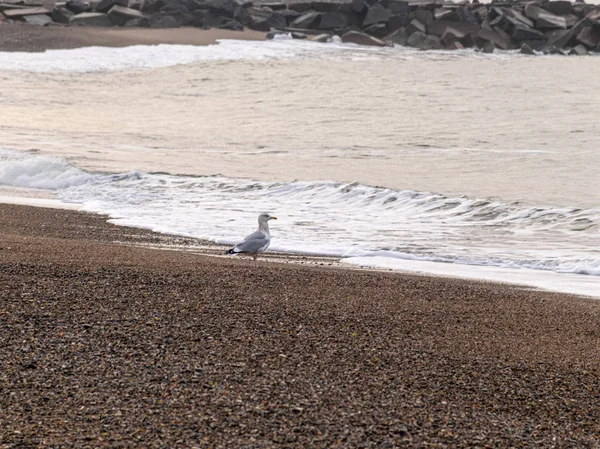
<point>289,15</point>
<point>61,14</point>
<point>523,33</point>
<point>321,38</point>
<point>359,7</point>
<point>119,15</point>
<point>257,14</point>
<point>559,8</point>
<point>424,41</point>
<point>399,8</point>
<point>324,6</point>
<point>544,20</point>
<point>162,20</point>
<point>579,50</point>
<point>309,20</point>
<point>398,37</point>
<point>106,5</point>
<point>489,48</point>
<point>38,19</point>
<point>202,18</point>
<point>19,13</point>
<point>178,12</point>
<point>301,7</point>
<point>260,25</point>
<point>222,7</point>
<point>439,27</point>
<point>567,38</point>
<point>551,50</point>
<point>451,36</point>
<point>355,37</point>
<point>526,50</point>
<point>298,35</point>
<point>397,21</point>
<point>233,25</point>
<point>455,46</point>
<point>378,30</point>
<point>376,14</point>
<point>96,19</point>
<point>589,36</point>
<point>78,6</point>
<point>277,20</point>
<point>334,21</point>
<point>581,9</point>
<point>422,15</point>
<point>415,26</point>
<point>138,22</point>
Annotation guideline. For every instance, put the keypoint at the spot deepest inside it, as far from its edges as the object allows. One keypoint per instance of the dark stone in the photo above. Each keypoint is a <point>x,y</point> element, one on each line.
<point>399,8</point>
<point>398,37</point>
<point>560,8</point>
<point>589,36</point>
<point>466,15</point>
<point>19,13</point>
<point>119,15</point>
<point>255,14</point>
<point>424,41</point>
<point>579,50</point>
<point>582,9</point>
<point>260,25</point>
<point>488,34</point>
<point>301,7</point>
<point>77,6</point>
<point>334,21</point>
<point>353,18</point>
<point>222,7</point>
<point>481,13</point>
<point>489,47</point>
<point>422,15</point>
<point>97,19</point>
<point>61,14</point>
<point>289,15</point>
<point>396,22</point>
<point>526,50</point>
<point>324,7</point>
<point>309,20</point>
<point>105,5</point>
<point>415,26</point>
<point>178,12</point>
<point>359,7</point>
<point>234,25</point>
<point>439,27</point>
<point>523,33</point>
<point>446,14</point>
<point>567,38</point>
<point>161,20</point>
<point>277,21</point>
<point>451,36</point>
<point>543,19</point>
<point>202,18</point>
<point>378,30</point>
<point>376,14</point>
<point>355,37</point>
<point>139,22</point>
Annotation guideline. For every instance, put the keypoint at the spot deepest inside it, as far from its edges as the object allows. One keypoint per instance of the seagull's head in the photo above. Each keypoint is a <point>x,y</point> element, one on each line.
<point>263,218</point>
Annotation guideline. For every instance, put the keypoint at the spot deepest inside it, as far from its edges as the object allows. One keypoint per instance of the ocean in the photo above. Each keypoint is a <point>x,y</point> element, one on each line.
<point>449,163</point>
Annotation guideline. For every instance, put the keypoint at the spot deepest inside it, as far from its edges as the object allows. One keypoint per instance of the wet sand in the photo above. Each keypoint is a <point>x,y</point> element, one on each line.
<point>21,37</point>
<point>109,343</point>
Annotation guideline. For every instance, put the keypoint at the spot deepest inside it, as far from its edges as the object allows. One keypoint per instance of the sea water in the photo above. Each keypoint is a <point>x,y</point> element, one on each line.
<point>452,163</point>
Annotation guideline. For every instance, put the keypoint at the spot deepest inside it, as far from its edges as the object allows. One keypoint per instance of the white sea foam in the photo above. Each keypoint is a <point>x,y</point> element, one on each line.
<point>100,59</point>
<point>366,225</point>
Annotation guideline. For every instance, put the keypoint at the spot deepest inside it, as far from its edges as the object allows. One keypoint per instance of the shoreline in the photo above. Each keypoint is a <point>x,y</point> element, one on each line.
<point>108,343</point>
<point>494,275</point>
<point>31,38</point>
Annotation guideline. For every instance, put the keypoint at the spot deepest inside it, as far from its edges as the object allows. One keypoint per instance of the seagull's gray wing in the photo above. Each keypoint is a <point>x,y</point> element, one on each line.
<point>256,242</point>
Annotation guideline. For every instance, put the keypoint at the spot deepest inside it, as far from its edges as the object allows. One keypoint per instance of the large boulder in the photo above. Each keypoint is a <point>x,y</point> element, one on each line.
<point>414,26</point>
<point>307,21</point>
<point>106,5</point>
<point>162,20</point>
<point>559,8</point>
<point>439,27</point>
<point>61,14</point>
<point>324,6</point>
<point>379,30</point>
<point>398,37</point>
<point>579,50</point>
<point>334,21</point>
<point>300,6</point>
<point>523,33</point>
<point>96,19</point>
<point>397,21</point>
<point>399,8</point>
<point>488,34</point>
<point>78,6</point>
<point>526,50</point>
<point>589,36</point>
<point>355,37</point>
<point>567,38</point>
<point>119,15</point>
<point>376,14</point>
<point>18,14</point>
<point>424,41</point>
<point>544,20</point>
<point>224,8</point>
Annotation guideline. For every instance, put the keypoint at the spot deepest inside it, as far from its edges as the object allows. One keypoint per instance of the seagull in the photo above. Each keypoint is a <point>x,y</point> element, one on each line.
<point>258,241</point>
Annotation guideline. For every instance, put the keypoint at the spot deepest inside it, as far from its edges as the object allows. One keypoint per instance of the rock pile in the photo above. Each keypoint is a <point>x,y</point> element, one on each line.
<point>556,26</point>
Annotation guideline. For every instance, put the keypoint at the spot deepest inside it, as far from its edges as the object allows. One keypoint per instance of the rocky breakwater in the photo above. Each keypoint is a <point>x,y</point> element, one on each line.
<point>554,27</point>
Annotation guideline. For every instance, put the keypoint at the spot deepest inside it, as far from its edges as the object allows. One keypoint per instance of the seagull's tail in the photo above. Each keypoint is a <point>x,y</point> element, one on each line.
<point>230,251</point>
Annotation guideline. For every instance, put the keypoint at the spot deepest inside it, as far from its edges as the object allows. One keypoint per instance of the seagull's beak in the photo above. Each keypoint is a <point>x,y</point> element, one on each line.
<point>273,218</point>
